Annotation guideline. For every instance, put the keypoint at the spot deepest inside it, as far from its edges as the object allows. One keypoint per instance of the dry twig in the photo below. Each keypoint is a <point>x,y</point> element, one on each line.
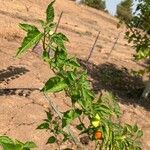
<point>92,49</point>
<point>115,43</point>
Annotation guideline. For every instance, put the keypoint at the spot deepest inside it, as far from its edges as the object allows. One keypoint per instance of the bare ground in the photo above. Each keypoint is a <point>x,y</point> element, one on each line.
<point>22,110</point>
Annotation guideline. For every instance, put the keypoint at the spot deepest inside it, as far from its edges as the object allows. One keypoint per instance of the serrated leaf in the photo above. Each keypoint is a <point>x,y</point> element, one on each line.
<point>51,140</point>
<point>50,12</point>
<point>33,37</point>
<point>44,125</point>
<point>54,84</point>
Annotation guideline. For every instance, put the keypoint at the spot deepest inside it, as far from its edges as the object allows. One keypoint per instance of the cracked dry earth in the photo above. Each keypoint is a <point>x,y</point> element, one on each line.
<point>21,111</point>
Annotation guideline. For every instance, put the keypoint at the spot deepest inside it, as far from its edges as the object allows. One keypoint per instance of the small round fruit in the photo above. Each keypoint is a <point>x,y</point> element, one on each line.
<point>98,135</point>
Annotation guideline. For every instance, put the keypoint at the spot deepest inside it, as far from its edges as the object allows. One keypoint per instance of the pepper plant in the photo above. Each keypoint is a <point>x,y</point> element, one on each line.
<point>97,118</point>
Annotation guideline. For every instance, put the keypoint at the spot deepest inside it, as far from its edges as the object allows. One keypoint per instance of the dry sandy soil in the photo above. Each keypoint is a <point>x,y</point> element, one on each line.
<point>22,110</point>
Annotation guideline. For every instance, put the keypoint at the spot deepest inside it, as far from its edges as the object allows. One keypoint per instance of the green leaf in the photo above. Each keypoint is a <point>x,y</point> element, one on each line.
<point>51,140</point>
<point>45,56</point>
<point>58,40</point>
<point>56,128</point>
<point>43,23</point>
<point>18,142</point>
<point>106,132</point>
<point>69,116</point>
<point>50,12</point>
<point>33,37</point>
<point>12,146</point>
<point>62,36</point>
<point>140,133</point>
<point>62,54</point>
<point>30,145</point>
<point>102,109</point>
<point>73,62</point>
<point>43,126</point>
<point>135,128</point>
<point>49,115</point>
<point>27,27</point>
<point>9,144</point>
<point>54,84</point>
<point>87,95</point>
<point>5,139</point>
<point>80,126</point>
<point>71,77</point>
<point>129,128</point>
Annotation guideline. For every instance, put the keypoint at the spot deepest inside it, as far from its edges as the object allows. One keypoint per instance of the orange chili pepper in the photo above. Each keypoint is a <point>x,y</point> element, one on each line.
<point>98,135</point>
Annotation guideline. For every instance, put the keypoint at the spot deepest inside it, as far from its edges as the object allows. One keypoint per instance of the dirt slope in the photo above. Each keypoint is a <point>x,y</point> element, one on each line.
<point>21,111</point>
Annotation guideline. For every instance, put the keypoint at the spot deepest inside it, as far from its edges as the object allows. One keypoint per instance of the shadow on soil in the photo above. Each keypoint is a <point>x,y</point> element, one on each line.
<point>12,73</point>
<point>23,92</point>
<point>127,88</point>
